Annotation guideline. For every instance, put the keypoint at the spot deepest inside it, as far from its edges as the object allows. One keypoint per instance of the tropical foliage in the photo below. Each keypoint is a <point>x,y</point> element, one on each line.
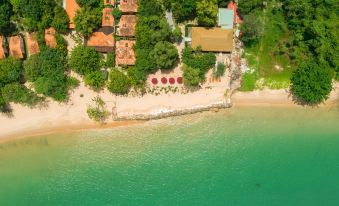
<point>118,83</point>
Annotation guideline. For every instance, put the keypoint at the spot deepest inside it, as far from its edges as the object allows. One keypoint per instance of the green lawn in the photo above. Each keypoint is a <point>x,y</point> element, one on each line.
<point>273,70</point>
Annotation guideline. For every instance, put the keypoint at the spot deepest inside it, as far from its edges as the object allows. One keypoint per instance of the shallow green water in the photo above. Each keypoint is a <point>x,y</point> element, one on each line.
<point>241,156</point>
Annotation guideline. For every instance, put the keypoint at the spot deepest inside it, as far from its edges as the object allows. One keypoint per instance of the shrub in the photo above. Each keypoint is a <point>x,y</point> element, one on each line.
<point>191,76</point>
<point>119,83</point>
<point>98,113</point>
<point>136,77</point>
<point>311,83</point>
<point>18,93</point>
<point>96,80</point>
<point>220,70</point>
<point>117,13</point>
<point>110,60</point>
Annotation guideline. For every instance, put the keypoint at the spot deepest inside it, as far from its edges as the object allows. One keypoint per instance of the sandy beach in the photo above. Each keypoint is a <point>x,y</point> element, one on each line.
<point>56,117</point>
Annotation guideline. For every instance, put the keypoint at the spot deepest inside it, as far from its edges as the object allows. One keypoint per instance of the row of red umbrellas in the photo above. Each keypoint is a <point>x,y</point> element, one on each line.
<point>164,80</point>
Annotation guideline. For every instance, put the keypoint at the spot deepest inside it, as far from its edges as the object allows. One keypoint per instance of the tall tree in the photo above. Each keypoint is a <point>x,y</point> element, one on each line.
<point>312,83</point>
<point>165,55</point>
<point>207,12</point>
<point>87,20</point>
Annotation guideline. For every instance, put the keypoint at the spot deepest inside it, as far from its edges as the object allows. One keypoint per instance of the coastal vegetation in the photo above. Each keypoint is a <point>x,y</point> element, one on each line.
<point>119,83</point>
<point>47,71</point>
<point>86,20</point>
<point>98,113</point>
<point>165,55</point>
<point>199,61</point>
<point>281,37</point>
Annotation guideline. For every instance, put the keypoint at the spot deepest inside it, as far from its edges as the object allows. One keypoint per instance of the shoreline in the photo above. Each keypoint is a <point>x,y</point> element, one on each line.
<point>72,117</point>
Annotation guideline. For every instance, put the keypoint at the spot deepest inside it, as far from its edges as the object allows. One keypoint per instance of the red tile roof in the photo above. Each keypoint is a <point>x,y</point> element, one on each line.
<point>101,42</point>
<point>107,17</point>
<point>129,6</point>
<point>71,9</point>
<point>2,50</point>
<point>124,53</point>
<point>16,47</point>
<point>127,25</point>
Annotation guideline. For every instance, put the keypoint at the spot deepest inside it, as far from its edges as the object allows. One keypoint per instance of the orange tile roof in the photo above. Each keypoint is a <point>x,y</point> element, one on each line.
<point>71,9</point>
<point>50,37</point>
<point>129,6</point>
<point>16,47</point>
<point>124,53</point>
<point>101,42</point>
<point>107,17</point>
<point>127,25</point>
<point>109,2</point>
<point>32,43</point>
<point>2,50</point>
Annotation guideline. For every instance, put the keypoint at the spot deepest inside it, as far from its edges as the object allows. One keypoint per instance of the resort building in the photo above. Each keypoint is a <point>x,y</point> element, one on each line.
<point>16,47</point>
<point>128,6</point>
<point>101,41</point>
<point>124,53</point>
<point>32,43</point>
<point>212,39</point>
<point>50,38</point>
<point>127,25</point>
<point>107,18</point>
<point>233,6</point>
<point>225,18</point>
<point>3,49</point>
<point>109,2</point>
<point>71,8</point>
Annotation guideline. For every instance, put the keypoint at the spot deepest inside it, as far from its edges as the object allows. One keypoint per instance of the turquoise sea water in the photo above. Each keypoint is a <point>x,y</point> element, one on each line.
<point>241,156</point>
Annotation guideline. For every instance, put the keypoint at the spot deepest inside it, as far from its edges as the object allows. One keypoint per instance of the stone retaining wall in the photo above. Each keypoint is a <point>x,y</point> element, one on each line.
<point>173,113</point>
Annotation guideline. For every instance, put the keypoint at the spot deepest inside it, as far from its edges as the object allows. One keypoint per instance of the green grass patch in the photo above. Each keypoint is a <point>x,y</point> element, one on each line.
<point>265,56</point>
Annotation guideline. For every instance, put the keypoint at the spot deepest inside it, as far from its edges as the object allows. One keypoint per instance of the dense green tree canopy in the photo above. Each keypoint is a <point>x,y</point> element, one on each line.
<point>85,60</point>
<point>87,20</point>
<point>90,3</point>
<point>18,93</point>
<point>96,80</point>
<point>207,12</point>
<point>47,72</point>
<point>10,71</point>
<point>5,15</point>
<point>151,28</point>
<point>60,21</point>
<point>118,82</point>
<point>184,10</point>
<point>312,83</point>
<point>165,55</point>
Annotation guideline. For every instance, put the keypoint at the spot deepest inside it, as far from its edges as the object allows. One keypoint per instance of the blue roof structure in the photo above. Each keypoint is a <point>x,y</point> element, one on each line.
<point>225,18</point>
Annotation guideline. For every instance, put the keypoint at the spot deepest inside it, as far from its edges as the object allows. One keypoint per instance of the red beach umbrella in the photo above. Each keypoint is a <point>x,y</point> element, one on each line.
<point>164,80</point>
<point>171,80</point>
<point>155,81</point>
